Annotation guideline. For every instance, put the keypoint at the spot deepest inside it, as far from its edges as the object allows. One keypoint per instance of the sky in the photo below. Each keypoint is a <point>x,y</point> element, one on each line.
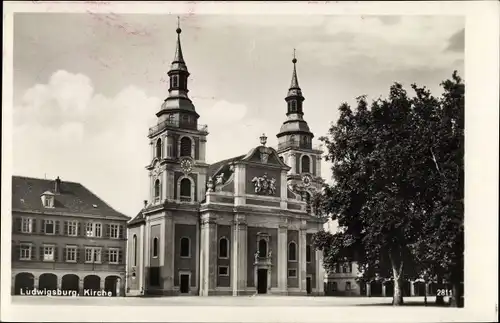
<point>87,86</point>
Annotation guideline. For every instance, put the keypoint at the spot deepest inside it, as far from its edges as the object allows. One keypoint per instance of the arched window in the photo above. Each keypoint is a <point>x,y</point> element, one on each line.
<point>262,248</point>
<point>293,106</point>
<point>185,247</point>
<point>155,247</point>
<point>292,138</point>
<point>308,253</point>
<point>306,164</point>
<point>158,148</point>
<point>134,246</point>
<point>157,190</point>
<point>170,147</point>
<point>186,146</point>
<point>292,251</point>
<point>223,248</point>
<point>185,193</point>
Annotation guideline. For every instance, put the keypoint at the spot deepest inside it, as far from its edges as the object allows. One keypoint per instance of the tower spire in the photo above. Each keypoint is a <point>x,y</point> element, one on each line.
<point>178,101</point>
<point>294,90</point>
<point>295,82</point>
<point>178,62</point>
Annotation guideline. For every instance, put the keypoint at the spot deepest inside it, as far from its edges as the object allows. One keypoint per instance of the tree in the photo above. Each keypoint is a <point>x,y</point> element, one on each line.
<point>384,194</point>
<point>441,248</point>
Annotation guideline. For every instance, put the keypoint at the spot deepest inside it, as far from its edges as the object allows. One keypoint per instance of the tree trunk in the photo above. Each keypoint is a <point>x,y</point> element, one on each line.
<point>425,293</point>
<point>439,298</point>
<point>397,272</point>
<point>455,299</point>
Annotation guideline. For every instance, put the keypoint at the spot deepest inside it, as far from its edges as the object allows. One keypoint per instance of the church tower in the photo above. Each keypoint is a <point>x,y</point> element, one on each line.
<point>177,169</point>
<point>295,144</point>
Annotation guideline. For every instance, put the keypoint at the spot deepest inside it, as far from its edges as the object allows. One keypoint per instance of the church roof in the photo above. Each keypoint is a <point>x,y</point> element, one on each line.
<point>139,218</point>
<point>215,167</point>
<point>71,198</point>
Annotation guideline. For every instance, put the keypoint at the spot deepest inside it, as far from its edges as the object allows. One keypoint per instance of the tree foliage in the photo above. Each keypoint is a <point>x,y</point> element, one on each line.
<point>398,185</point>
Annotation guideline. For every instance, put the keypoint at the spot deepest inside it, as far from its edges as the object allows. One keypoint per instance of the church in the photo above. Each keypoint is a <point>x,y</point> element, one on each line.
<point>239,226</point>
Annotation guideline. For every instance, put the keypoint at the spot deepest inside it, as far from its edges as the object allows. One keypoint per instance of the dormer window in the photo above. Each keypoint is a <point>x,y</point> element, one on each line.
<point>48,199</point>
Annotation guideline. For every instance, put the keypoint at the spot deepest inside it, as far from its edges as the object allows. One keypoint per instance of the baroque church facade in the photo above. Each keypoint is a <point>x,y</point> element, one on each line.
<point>239,226</point>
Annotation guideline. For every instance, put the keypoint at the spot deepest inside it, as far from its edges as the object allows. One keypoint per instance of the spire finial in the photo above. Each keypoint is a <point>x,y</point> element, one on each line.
<point>294,60</point>
<point>178,30</point>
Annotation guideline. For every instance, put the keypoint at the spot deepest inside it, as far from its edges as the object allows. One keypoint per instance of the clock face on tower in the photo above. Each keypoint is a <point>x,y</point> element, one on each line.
<point>306,179</point>
<point>186,165</point>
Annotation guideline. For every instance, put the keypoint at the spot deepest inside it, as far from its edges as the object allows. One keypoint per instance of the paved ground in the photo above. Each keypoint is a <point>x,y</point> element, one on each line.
<point>218,301</point>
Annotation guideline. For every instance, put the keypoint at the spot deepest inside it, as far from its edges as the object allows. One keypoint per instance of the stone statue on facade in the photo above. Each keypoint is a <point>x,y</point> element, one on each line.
<point>272,186</point>
<point>256,256</point>
<point>219,180</point>
<point>270,254</point>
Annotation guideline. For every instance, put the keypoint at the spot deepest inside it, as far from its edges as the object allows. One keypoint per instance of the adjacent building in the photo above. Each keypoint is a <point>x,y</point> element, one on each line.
<point>239,226</point>
<point>64,237</point>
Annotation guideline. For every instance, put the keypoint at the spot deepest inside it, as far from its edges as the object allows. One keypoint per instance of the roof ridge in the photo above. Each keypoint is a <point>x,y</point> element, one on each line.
<point>44,179</point>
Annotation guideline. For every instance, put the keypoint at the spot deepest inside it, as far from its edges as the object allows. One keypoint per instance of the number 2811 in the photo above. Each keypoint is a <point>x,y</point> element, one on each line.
<point>444,292</point>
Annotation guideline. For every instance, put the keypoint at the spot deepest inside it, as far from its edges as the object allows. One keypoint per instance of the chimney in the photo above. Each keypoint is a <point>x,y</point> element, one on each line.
<point>145,203</point>
<point>57,187</point>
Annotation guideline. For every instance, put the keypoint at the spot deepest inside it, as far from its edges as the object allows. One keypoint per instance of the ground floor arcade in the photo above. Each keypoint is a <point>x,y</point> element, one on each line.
<point>25,281</point>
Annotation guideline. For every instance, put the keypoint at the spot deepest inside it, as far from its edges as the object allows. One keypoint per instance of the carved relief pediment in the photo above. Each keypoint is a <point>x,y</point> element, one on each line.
<point>264,185</point>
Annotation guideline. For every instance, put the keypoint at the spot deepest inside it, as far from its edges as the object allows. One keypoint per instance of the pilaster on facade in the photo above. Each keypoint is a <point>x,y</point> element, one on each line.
<point>320,273</point>
<point>239,184</point>
<point>208,254</point>
<point>168,251</point>
<point>282,255</point>
<point>239,254</point>
<point>302,256</point>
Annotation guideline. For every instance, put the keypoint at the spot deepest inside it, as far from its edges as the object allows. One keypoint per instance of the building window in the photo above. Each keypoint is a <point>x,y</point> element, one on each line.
<point>155,247</point>
<point>185,247</point>
<point>113,256</point>
<point>47,201</point>
<point>175,81</point>
<point>171,119</point>
<point>26,225</point>
<point>157,190</point>
<point>114,231</point>
<point>262,248</point>
<point>306,164</point>
<point>92,254</point>
<point>185,193</point>
<point>292,273</point>
<point>185,147</point>
<point>170,147</point>
<point>333,286</point>
<point>25,251</point>
<point>93,229</point>
<point>308,253</point>
<point>70,253</point>
<point>49,226</point>
<point>223,271</point>
<point>346,267</point>
<point>48,253</point>
<point>158,148</point>
<point>348,286</point>
<point>72,228</point>
<point>223,248</point>
<point>293,106</point>
<point>292,251</point>
<point>134,246</point>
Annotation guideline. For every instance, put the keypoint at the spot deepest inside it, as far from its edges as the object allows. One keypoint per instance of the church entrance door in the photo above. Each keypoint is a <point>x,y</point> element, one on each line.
<point>184,288</point>
<point>308,285</point>
<point>262,281</point>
